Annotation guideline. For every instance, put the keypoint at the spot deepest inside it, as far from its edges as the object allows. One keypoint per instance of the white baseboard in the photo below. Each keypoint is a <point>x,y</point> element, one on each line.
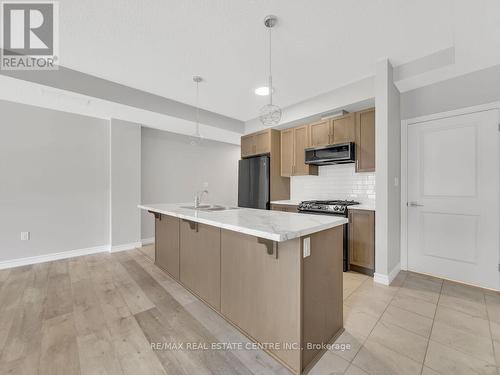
<point>53,256</point>
<point>124,247</point>
<point>148,241</point>
<point>387,279</point>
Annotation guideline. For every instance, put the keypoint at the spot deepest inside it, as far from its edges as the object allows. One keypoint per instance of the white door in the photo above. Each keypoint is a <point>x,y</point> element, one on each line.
<point>453,198</point>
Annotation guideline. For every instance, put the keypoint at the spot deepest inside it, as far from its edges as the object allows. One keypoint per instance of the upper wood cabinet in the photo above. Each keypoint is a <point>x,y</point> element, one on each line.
<point>362,241</point>
<point>247,145</point>
<point>301,142</point>
<point>343,129</point>
<point>293,143</point>
<point>320,133</point>
<point>338,130</point>
<point>256,143</point>
<point>263,142</point>
<point>365,141</point>
<point>287,152</point>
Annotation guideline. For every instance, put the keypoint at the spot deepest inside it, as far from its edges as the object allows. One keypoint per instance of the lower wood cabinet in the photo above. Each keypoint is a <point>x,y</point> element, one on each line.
<point>167,244</point>
<point>200,260</point>
<point>284,207</point>
<point>362,241</point>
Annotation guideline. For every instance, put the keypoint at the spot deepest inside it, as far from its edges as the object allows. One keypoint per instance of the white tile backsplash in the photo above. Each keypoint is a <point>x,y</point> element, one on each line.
<point>334,182</point>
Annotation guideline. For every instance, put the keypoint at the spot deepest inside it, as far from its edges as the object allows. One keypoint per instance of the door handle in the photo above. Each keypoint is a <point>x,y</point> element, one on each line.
<point>414,204</point>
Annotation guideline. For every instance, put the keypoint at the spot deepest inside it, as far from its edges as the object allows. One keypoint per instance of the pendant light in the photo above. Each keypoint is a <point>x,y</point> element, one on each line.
<point>196,137</point>
<point>270,114</point>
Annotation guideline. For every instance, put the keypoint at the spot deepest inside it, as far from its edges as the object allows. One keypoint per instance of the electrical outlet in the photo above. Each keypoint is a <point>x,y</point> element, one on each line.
<point>307,247</point>
<point>25,236</point>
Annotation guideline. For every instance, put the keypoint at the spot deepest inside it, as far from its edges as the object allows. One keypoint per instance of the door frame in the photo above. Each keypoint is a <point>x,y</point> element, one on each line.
<point>404,162</point>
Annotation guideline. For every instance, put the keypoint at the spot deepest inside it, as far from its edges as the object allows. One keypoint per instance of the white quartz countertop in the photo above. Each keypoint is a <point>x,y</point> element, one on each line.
<point>287,202</point>
<point>272,225</point>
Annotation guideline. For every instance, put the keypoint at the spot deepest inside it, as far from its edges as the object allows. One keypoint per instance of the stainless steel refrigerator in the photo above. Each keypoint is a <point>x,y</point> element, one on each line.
<point>253,182</point>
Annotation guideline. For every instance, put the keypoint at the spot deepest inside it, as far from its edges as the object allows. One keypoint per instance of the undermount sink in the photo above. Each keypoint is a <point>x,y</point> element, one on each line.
<point>209,207</point>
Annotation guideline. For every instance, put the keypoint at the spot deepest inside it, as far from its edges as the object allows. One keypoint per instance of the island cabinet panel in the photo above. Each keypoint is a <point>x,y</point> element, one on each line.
<point>167,244</point>
<point>200,260</point>
<point>260,293</point>
<point>322,292</point>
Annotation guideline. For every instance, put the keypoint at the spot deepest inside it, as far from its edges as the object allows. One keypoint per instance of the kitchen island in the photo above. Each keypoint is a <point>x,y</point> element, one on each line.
<point>276,276</point>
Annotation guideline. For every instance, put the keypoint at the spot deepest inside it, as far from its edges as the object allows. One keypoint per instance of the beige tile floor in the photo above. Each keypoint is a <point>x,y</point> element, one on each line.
<point>418,325</point>
<point>98,314</point>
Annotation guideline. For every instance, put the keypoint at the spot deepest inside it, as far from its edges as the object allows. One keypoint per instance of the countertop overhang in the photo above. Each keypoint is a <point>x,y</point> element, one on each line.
<point>272,225</point>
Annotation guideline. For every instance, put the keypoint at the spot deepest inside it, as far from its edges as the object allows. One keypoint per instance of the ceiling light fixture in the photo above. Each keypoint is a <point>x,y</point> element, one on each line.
<point>262,91</point>
<point>270,114</point>
<point>196,138</point>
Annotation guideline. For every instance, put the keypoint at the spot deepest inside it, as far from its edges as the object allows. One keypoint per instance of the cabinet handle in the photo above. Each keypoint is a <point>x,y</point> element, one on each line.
<point>357,164</point>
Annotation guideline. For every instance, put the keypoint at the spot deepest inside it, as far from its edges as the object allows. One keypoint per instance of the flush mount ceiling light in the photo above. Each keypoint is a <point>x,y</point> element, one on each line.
<point>196,138</point>
<point>262,91</point>
<point>270,114</point>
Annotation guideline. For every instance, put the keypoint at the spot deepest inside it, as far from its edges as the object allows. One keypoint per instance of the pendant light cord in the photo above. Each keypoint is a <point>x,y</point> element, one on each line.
<point>197,109</point>
<point>270,69</point>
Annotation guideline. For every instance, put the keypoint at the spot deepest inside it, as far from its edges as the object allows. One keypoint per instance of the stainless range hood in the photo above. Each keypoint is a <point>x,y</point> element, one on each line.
<point>332,154</point>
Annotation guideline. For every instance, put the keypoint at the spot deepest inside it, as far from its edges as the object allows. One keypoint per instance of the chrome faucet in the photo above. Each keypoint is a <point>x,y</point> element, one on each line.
<point>199,195</point>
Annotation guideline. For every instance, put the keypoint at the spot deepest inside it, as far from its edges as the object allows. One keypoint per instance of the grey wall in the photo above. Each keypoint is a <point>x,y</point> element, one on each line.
<point>388,167</point>
<point>125,155</point>
<point>476,88</point>
<point>173,170</point>
<point>86,84</point>
<point>54,181</point>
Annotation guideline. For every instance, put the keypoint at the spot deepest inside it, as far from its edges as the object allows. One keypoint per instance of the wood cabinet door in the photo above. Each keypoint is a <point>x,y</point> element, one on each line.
<point>319,133</point>
<point>261,293</point>
<point>301,141</point>
<point>365,141</point>
<point>200,260</point>
<point>247,145</point>
<point>263,142</point>
<point>167,244</point>
<point>286,152</point>
<point>285,208</point>
<point>343,129</point>
<point>362,239</point>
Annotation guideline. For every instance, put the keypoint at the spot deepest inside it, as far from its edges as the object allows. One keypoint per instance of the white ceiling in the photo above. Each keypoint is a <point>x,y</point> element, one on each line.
<point>319,45</point>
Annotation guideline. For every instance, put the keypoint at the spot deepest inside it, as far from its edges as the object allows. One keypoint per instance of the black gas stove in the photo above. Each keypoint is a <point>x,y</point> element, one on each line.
<point>332,207</point>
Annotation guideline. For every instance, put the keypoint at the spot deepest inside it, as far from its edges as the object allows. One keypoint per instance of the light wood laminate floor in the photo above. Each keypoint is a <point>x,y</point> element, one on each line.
<point>99,314</point>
